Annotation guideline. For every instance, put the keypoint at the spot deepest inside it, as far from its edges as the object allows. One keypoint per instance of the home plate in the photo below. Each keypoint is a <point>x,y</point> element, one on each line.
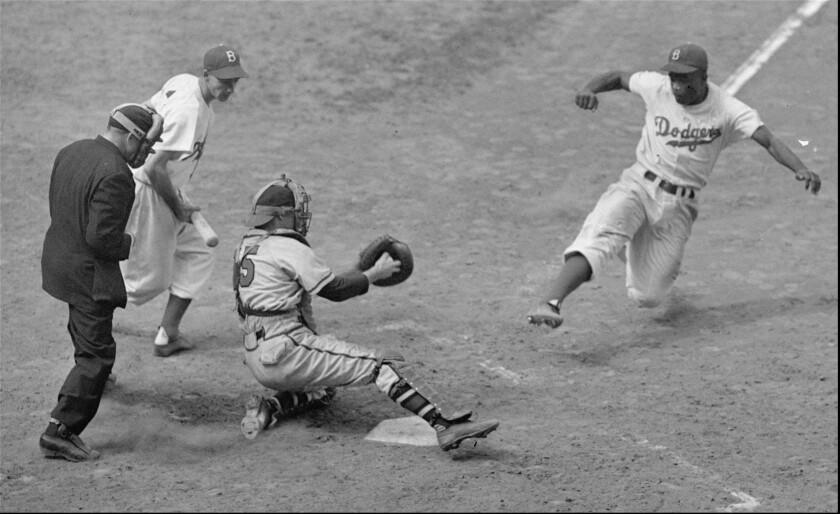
<point>411,430</point>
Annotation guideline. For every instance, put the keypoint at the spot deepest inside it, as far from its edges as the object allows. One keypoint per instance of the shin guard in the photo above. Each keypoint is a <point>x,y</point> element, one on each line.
<point>408,397</point>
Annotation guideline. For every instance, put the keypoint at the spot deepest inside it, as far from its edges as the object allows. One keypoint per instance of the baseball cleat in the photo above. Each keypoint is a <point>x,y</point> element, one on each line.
<point>257,417</point>
<point>545,315</point>
<point>166,345</point>
<point>452,436</point>
<point>458,417</point>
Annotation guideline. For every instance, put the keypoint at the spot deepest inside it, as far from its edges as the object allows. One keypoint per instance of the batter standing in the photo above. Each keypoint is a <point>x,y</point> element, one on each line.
<point>275,275</point>
<point>168,253</point>
<point>650,210</point>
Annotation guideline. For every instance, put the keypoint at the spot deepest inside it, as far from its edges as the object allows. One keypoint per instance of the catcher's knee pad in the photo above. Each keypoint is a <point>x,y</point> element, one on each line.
<point>390,359</point>
<point>385,378</point>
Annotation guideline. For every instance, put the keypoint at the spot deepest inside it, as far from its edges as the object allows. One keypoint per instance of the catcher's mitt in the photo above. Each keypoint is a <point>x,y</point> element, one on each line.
<point>398,251</point>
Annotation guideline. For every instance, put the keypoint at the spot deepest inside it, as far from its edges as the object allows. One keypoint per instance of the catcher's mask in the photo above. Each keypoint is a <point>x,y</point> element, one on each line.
<point>280,198</point>
<point>143,123</point>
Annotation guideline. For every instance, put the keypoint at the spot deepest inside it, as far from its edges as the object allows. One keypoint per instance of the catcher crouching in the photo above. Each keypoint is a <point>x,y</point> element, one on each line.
<point>275,274</point>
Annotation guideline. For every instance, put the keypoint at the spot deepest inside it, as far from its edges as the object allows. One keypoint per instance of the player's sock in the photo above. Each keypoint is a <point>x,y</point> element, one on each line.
<point>287,403</point>
<point>409,398</point>
<point>162,338</point>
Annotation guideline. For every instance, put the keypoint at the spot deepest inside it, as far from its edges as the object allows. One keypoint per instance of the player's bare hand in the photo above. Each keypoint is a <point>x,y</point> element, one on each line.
<point>543,314</point>
<point>586,100</point>
<point>383,268</point>
<point>812,180</point>
<point>185,211</point>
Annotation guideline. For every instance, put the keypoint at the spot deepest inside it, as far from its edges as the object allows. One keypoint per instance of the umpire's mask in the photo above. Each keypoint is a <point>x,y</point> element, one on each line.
<point>143,123</point>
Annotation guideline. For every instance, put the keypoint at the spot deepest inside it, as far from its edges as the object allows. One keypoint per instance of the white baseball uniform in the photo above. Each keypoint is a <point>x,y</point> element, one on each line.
<point>653,205</point>
<point>168,253</point>
<point>275,276</point>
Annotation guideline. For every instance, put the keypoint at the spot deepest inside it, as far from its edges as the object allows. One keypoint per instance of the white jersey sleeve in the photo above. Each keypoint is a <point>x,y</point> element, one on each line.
<point>647,84</point>
<point>743,120</point>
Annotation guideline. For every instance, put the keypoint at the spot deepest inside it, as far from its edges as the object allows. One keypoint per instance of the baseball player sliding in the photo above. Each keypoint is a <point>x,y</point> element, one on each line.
<point>275,275</point>
<point>650,210</point>
<point>169,251</point>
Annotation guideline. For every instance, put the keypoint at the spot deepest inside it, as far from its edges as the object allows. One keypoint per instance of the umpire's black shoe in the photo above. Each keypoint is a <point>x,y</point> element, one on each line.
<point>65,445</point>
<point>451,437</point>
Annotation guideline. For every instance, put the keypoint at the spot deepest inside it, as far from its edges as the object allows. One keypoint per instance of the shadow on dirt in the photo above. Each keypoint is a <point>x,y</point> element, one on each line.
<point>681,314</point>
<point>682,319</point>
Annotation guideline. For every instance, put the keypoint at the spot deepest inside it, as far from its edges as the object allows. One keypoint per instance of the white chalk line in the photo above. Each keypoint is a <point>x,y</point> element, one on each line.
<point>751,66</point>
<point>746,503</point>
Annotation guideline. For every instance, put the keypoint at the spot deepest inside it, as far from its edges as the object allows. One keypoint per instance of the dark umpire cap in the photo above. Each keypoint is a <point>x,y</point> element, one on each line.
<point>223,63</point>
<point>686,58</point>
<point>267,202</point>
<point>134,118</point>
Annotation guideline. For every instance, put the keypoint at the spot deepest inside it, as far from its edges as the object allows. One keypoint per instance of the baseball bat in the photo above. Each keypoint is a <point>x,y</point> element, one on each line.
<point>207,233</point>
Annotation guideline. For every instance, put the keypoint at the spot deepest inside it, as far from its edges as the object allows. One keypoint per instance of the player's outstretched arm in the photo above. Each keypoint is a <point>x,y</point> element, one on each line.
<point>587,97</point>
<point>355,283</point>
<point>345,286</point>
<point>785,156</point>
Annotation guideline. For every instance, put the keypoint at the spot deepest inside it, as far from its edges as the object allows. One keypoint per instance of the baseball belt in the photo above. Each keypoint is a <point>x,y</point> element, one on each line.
<point>669,187</point>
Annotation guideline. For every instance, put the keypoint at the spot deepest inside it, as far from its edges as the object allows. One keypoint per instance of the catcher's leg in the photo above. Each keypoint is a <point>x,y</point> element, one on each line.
<point>287,404</point>
<point>450,430</point>
<point>261,413</point>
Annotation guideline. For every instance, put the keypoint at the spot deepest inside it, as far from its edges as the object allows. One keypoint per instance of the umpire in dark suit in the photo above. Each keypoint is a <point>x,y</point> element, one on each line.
<point>91,193</point>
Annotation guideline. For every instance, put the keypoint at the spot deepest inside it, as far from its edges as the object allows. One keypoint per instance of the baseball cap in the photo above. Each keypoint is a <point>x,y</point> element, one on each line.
<point>267,202</point>
<point>223,62</point>
<point>134,118</point>
<point>686,59</point>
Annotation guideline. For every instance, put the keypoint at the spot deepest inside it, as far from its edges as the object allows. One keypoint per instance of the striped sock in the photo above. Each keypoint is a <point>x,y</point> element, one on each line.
<point>288,403</point>
<point>409,398</point>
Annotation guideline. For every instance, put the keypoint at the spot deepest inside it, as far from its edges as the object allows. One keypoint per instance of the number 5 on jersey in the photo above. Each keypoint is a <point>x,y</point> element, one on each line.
<point>243,271</point>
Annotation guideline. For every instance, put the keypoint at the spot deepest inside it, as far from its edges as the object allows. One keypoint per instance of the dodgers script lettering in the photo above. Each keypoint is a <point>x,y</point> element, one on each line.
<point>689,136</point>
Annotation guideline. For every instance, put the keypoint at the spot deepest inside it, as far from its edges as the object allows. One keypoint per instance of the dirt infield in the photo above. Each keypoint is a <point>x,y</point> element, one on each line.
<point>450,125</point>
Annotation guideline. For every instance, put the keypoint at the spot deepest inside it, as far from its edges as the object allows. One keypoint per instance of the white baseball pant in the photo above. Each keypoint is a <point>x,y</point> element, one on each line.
<point>166,253</point>
<point>654,224</point>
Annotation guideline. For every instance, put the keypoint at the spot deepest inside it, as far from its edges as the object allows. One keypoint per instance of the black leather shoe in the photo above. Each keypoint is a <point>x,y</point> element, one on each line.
<point>66,445</point>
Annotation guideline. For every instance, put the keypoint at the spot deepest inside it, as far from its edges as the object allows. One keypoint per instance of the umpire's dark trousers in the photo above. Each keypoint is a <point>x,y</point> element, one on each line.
<point>90,329</point>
